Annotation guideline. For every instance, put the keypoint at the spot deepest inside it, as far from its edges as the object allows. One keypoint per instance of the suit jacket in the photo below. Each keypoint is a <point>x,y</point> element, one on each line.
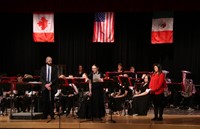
<point>54,77</point>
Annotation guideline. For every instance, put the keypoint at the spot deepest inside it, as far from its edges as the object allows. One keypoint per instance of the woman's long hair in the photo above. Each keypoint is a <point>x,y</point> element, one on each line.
<point>159,68</point>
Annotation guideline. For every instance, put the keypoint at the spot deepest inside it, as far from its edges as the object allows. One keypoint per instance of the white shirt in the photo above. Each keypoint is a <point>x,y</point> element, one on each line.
<point>48,79</point>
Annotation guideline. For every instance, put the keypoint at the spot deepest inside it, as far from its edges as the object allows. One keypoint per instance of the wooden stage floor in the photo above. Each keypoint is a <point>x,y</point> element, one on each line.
<point>173,119</point>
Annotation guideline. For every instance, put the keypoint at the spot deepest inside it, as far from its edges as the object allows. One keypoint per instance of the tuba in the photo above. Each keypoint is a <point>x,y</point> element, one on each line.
<point>187,85</point>
<point>166,90</point>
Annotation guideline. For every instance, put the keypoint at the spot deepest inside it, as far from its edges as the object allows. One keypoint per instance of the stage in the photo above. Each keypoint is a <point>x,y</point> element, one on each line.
<point>173,119</point>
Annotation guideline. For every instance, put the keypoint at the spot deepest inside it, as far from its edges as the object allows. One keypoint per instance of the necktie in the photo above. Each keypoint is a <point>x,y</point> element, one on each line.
<point>48,74</point>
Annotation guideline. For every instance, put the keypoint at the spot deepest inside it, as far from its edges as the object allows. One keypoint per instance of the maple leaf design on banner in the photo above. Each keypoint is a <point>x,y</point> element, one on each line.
<point>43,27</point>
<point>43,23</point>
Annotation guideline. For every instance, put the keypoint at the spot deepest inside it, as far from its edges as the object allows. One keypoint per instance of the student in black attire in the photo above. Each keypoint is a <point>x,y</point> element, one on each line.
<point>68,97</point>
<point>96,93</point>
<point>117,100</point>
<point>141,98</point>
<point>80,72</point>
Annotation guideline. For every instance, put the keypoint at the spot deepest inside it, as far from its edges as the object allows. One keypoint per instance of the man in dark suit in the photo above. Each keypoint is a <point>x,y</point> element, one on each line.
<point>48,77</point>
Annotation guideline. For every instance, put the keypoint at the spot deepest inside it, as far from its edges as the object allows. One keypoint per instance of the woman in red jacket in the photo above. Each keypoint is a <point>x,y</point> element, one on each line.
<point>157,85</point>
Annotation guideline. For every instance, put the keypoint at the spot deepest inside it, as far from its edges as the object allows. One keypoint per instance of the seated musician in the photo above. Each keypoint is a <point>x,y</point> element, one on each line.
<point>68,97</point>
<point>29,94</point>
<point>62,76</point>
<point>4,94</point>
<point>80,71</point>
<point>117,99</point>
<point>133,73</point>
<point>86,77</point>
<point>4,100</point>
<point>18,101</point>
<point>120,68</point>
<point>84,100</point>
<point>23,100</point>
<point>189,95</point>
<point>140,103</point>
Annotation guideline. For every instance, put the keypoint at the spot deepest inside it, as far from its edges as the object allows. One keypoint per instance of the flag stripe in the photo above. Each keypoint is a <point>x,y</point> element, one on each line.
<point>159,37</point>
<point>43,37</point>
<point>158,24</point>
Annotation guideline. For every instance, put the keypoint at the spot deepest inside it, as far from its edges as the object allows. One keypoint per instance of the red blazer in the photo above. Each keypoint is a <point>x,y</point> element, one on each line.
<point>157,83</point>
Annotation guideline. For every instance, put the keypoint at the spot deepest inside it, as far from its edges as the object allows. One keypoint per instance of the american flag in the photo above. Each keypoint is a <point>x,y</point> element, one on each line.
<point>104,27</point>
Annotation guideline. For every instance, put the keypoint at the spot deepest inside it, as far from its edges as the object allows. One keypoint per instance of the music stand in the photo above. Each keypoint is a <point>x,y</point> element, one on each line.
<point>174,86</point>
<point>78,80</point>
<point>124,81</point>
<point>112,74</point>
<point>111,85</point>
<point>131,74</point>
<point>69,80</point>
<point>83,86</point>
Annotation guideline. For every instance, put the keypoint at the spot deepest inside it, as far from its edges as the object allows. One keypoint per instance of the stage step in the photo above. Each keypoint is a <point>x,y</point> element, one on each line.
<point>26,115</point>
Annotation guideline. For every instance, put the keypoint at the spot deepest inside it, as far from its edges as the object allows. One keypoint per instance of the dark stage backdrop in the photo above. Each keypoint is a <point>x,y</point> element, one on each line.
<point>73,46</point>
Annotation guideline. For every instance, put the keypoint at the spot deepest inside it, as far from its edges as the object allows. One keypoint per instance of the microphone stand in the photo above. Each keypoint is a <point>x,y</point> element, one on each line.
<point>59,114</point>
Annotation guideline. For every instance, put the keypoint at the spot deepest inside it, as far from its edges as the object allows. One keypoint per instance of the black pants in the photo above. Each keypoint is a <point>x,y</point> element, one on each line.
<point>67,103</point>
<point>18,102</point>
<point>48,103</point>
<point>158,102</point>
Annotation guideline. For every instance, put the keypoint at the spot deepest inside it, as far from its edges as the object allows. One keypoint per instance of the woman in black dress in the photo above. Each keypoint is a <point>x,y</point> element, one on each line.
<point>96,93</point>
<point>80,71</point>
<point>141,98</point>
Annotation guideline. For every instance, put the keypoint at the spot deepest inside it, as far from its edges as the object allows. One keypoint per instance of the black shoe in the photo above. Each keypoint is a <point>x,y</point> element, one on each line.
<point>98,119</point>
<point>154,119</point>
<point>61,113</point>
<point>160,119</point>
<point>52,117</point>
<point>44,117</point>
<point>67,113</point>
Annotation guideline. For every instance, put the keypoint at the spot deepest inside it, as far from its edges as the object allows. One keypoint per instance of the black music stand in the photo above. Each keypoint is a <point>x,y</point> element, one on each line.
<point>131,74</point>
<point>124,81</point>
<point>83,87</point>
<point>174,87</point>
<point>78,80</point>
<point>112,85</point>
<point>113,74</point>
